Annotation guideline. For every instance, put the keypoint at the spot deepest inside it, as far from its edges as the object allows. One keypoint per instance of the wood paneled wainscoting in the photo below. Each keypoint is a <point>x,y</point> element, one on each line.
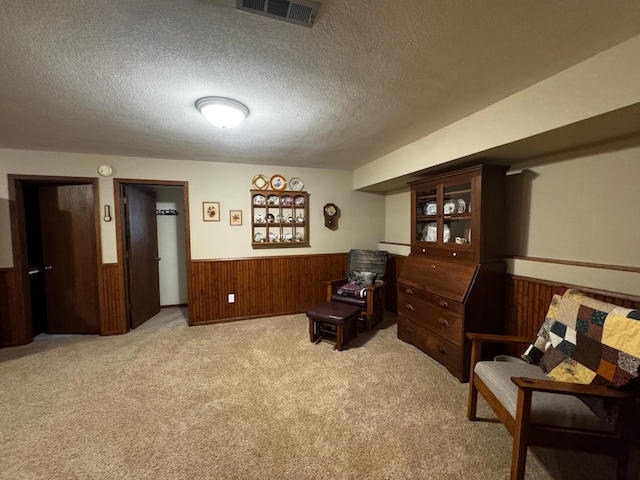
<point>112,312</point>
<point>263,286</point>
<point>13,330</point>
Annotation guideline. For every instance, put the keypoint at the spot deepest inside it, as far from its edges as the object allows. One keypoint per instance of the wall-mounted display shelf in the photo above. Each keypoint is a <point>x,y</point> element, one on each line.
<point>279,219</point>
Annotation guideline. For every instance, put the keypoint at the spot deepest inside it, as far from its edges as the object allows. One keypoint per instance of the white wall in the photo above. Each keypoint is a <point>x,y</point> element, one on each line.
<point>172,247</point>
<point>578,208</point>
<point>361,224</point>
<point>397,229</point>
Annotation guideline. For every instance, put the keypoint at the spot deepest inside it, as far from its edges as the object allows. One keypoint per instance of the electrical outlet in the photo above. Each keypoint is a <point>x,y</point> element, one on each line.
<point>232,298</point>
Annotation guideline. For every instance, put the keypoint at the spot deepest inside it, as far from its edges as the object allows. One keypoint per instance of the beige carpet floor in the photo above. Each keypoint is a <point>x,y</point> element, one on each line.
<point>247,400</point>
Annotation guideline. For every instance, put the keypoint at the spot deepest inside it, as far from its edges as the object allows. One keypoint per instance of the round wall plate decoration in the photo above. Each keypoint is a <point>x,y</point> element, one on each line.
<point>278,182</point>
<point>296,184</point>
<point>105,170</point>
<point>260,182</point>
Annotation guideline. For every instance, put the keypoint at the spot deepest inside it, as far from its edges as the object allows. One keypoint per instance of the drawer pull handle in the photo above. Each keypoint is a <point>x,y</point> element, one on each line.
<point>443,304</point>
<point>455,254</point>
<point>408,306</point>
<point>443,322</point>
<point>409,291</point>
<point>442,350</point>
<point>409,329</point>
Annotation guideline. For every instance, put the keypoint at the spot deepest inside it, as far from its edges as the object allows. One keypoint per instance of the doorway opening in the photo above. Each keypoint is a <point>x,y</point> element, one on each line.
<point>152,225</point>
<point>56,250</point>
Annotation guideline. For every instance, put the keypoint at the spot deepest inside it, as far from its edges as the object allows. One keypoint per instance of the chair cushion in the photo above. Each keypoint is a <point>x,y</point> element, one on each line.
<point>546,408</point>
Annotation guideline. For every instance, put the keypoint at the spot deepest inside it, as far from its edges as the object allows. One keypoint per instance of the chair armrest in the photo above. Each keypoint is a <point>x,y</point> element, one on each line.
<point>376,286</point>
<point>331,286</point>
<point>478,339</point>
<point>489,337</point>
<point>566,388</point>
<point>335,281</point>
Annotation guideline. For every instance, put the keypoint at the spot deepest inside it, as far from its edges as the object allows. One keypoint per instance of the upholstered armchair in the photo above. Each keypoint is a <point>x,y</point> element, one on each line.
<point>363,285</point>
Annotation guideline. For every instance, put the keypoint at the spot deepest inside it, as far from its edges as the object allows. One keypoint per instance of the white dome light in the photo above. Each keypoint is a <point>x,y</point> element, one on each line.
<point>222,112</point>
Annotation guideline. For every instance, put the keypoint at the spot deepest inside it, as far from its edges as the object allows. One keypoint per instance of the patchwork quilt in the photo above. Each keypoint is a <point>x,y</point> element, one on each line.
<point>584,340</point>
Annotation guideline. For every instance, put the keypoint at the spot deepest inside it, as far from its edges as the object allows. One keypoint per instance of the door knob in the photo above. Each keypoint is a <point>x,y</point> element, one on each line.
<point>157,259</point>
<point>48,267</point>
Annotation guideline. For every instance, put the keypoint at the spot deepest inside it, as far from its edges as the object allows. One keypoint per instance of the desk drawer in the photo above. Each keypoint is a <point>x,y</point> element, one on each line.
<point>443,322</point>
<point>451,253</point>
<point>433,345</point>
<point>439,302</point>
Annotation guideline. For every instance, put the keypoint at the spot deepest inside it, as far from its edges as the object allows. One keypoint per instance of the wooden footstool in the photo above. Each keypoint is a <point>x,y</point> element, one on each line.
<point>333,322</point>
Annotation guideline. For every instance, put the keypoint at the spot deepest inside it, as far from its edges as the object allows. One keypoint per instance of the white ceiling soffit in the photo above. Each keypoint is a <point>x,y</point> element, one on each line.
<point>300,12</point>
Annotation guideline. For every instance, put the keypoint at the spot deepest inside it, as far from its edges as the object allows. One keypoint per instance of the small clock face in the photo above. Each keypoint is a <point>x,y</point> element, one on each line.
<point>330,210</point>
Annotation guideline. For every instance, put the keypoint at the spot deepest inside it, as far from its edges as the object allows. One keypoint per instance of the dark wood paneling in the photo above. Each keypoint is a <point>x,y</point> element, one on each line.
<point>112,319</point>
<point>262,286</point>
<point>12,315</point>
<point>394,269</point>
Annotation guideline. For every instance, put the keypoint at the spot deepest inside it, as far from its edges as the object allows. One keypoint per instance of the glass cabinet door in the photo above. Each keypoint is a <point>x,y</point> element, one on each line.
<point>426,217</point>
<point>456,214</point>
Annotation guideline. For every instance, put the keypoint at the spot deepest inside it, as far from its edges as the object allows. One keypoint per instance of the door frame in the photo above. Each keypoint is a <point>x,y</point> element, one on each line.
<point>118,184</point>
<point>23,326</point>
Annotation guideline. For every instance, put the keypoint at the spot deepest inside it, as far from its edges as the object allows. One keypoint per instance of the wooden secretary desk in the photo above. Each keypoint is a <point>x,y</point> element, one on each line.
<point>453,280</point>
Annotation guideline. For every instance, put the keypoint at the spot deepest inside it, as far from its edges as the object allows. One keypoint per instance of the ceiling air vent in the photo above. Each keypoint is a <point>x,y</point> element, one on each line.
<point>299,12</point>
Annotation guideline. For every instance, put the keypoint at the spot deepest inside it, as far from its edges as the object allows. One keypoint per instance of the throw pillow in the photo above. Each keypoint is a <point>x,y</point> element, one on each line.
<point>361,278</point>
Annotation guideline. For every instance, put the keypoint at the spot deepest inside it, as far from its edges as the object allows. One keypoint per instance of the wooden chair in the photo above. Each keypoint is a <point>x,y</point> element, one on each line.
<point>617,443</point>
<point>527,387</point>
<point>373,302</point>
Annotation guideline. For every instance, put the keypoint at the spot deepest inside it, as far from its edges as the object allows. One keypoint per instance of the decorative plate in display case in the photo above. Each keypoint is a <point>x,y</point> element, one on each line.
<point>273,200</point>
<point>430,232</point>
<point>450,207</point>
<point>430,208</point>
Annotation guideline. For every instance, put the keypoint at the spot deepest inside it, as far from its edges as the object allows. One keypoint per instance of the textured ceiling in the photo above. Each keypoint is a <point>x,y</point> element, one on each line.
<point>122,77</point>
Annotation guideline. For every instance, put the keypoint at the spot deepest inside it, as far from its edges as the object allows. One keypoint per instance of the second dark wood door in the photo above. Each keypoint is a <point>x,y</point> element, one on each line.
<point>142,246</point>
<point>69,255</point>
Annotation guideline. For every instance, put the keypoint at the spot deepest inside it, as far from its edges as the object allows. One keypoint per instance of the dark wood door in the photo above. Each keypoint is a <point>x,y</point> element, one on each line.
<point>69,254</point>
<point>142,248</point>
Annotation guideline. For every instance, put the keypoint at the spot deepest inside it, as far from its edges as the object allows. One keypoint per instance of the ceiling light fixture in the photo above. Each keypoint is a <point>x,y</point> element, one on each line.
<point>222,112</point>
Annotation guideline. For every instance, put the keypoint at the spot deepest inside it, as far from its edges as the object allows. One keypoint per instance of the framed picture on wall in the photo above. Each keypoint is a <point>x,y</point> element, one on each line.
<point>235,217</point>
<point>211,211</point>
